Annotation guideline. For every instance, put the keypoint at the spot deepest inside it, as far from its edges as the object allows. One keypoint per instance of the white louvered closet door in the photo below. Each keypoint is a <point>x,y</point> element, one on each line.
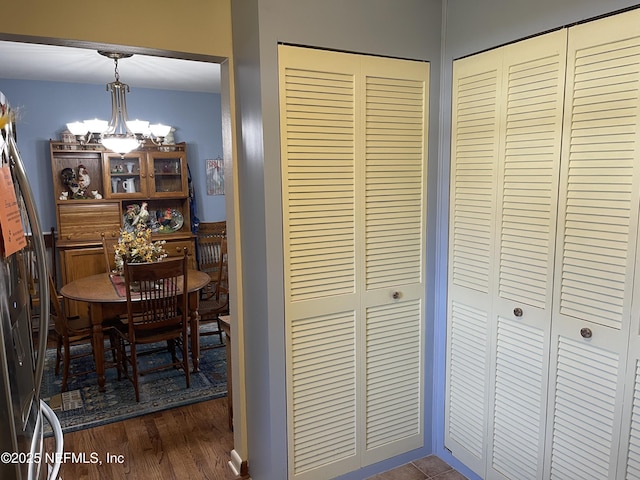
<point>353,134</point>
<point>505,157</point>
<point>472,239</point>
<point>395,110</point>
<point>598,209</point>
<point>529,161</point>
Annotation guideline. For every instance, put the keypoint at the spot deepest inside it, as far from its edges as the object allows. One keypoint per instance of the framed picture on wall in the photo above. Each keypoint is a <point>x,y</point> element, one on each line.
<point>215,177</point>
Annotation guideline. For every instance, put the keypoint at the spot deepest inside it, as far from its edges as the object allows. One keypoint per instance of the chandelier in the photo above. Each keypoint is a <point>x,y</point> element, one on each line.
<point>119,134</point>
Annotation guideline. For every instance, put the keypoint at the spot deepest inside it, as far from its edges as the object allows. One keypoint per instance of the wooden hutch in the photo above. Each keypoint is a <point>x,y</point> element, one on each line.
<point>155,175</point>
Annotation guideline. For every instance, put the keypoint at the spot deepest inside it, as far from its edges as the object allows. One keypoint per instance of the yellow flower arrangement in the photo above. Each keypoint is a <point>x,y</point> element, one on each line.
<point>137,247</point>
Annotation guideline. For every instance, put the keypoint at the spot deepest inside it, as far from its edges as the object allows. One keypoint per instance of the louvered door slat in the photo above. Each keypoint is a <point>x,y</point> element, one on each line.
<point>394,171</point>
<point>474,149</point>
<point>601,179</point>
<point>589,436</point>
<point>529,181</point>
<point>466,372</point>
<point>519,383</point>
<point>393,373</point>
<point>323,390</point>
<point>327,97</point>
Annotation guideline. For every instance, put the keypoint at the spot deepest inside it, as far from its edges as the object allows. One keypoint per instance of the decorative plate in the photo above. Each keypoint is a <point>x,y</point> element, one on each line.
<point>168,220</point>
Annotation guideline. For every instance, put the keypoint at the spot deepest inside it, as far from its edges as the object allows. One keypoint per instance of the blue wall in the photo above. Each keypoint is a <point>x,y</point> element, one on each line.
<point>45,107</point>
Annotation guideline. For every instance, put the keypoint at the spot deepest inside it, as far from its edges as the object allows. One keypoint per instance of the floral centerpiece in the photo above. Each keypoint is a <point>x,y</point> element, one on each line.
<point>137,247</point>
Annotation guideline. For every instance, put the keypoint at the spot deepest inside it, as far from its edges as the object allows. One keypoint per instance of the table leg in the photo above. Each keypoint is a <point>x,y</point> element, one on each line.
<point>95,312</point>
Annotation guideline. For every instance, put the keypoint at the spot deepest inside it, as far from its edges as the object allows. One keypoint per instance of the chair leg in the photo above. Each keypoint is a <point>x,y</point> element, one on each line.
<point>66,359</point>
<point>172,348</point>
<point>112,344</point>
<point>134,368</point>
<point>219,329</point>
<point>119,357</point>
<point>185,359</point>
<point>58,353</point>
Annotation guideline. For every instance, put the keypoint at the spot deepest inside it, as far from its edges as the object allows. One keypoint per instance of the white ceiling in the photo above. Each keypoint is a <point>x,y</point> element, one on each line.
<point>29,61</point>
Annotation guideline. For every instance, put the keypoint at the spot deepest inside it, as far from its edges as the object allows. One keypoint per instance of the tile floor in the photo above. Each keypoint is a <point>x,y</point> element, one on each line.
<point>430,467</point>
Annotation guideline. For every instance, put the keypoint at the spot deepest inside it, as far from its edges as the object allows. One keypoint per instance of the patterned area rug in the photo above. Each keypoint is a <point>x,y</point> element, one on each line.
<point>83,406</point>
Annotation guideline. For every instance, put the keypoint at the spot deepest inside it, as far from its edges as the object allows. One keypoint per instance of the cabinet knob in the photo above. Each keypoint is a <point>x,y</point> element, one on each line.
<point>517,312</point>
<point>586,333</point>
<point>396,295</point>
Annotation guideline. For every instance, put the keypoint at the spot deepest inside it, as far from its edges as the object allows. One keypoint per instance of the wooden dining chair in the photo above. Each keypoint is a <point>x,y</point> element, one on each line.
<point>156,312</point>
<point>73,332</point>
<point>108,250</point>
<point>208,240</point>
<point>215,301</point>
<point>31,262</point>
<point>210,260</point>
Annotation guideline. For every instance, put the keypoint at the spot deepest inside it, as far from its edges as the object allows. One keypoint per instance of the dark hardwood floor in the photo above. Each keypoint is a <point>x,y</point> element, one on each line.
<point>192,442</point>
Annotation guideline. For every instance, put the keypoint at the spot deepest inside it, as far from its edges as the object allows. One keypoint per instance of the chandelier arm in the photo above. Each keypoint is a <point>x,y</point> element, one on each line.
<point>124,89</point>
<point>111,128</point>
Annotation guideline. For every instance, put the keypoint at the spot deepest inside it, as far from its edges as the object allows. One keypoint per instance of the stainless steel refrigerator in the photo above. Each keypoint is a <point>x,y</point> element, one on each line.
<point>22,413</point>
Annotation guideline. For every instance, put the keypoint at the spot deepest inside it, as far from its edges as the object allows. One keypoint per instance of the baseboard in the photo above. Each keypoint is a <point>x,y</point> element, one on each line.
<point>238,466</point>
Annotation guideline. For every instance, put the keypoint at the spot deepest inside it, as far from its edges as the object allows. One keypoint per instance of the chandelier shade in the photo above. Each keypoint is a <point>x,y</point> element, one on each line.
<point>121,144</point>
<point>119,134</point>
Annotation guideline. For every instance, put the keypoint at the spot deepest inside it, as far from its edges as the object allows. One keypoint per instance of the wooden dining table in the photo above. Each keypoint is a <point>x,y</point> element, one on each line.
<point>106,302</point>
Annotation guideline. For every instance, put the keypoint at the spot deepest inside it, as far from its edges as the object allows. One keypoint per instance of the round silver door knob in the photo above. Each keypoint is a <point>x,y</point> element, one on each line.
<point>586,333</point>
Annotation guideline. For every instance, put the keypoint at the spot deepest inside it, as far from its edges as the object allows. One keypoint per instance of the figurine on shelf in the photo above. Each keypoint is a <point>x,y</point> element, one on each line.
<point>83,177</point>
<point>169,138</point>
<point>95,194</point>
<point>69,180</point>
<point>68,176</point>
<point>143,215</point>
<point>164,219</point>
<point>169,142</point>
<point>68,137</point>
<point>63,196</point>
<point>75,190</point>
<point>130,215</point>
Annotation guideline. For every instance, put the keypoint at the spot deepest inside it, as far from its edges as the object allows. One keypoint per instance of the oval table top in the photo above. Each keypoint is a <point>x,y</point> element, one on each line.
<point>99,288</point>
